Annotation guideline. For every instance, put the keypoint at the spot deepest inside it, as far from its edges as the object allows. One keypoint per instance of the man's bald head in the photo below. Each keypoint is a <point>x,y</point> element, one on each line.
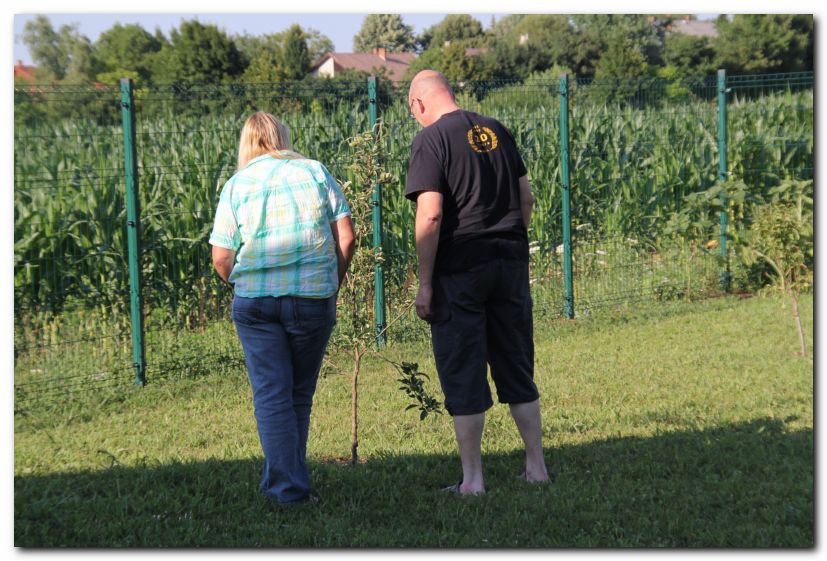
<point>429,84</point>
<point>430,97</point>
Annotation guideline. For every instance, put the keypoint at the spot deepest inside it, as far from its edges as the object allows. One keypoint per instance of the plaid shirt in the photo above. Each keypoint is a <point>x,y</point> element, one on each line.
<point>278,212</point>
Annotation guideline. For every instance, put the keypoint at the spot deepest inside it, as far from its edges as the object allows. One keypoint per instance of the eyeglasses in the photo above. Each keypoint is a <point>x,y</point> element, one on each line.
<point>410,106</point>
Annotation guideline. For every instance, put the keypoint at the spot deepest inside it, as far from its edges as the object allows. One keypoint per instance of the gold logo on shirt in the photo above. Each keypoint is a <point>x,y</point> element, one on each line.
<point>482,139</point>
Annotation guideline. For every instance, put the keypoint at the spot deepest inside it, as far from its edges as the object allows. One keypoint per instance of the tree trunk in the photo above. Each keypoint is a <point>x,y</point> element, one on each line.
<point>354,390</point>
<point>797,315</point>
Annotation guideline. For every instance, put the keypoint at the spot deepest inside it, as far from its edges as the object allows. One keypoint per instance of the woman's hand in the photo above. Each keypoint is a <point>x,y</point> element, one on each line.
<point>223,260</point>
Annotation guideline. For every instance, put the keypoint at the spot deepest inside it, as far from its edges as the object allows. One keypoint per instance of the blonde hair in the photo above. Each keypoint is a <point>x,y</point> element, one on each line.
<point>263,134</point>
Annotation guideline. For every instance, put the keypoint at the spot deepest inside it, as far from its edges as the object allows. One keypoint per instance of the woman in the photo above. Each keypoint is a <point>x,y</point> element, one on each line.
<point>283,238</point>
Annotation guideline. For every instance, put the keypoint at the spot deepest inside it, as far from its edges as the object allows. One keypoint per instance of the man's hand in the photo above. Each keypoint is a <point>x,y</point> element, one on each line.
<point>424,298</point>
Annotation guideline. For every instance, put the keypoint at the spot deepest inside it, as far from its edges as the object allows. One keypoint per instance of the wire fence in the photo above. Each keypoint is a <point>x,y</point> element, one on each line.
<point>636,149</point>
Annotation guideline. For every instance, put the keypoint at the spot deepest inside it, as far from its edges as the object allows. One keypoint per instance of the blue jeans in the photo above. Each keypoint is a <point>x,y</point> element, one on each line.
<point>284,340</point>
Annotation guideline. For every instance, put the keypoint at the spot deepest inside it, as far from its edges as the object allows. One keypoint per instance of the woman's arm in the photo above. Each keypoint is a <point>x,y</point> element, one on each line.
<point>223,260</point>
<point>345,244</point>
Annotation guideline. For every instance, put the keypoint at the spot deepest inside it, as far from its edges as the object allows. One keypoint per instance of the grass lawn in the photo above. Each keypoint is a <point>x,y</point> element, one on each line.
<point>681,425</point>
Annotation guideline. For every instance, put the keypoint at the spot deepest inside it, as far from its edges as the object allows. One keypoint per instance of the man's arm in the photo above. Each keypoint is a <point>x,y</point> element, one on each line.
<point>526,200</point>
<point>428,221</point>
<point>345,244</point>
<point>223,260</point>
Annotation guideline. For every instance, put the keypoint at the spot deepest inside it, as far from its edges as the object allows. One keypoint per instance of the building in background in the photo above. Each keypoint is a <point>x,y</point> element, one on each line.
<point>23,72</point>
<point>694,27</point>
<point>395,64</point>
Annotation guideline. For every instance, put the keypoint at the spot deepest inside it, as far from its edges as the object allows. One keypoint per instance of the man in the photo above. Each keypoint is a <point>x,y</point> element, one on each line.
<point>473,207</point>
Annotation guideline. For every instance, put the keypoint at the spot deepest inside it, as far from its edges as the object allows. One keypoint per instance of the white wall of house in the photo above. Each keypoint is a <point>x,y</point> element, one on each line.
<point>327,68</point>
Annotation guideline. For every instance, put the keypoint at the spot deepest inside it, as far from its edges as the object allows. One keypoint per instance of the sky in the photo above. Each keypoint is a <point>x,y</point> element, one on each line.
<point>339,27</point>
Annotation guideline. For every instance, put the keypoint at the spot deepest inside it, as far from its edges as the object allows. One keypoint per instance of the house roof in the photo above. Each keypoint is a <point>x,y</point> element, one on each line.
<point>23,71</point>
<point>695,28</point>
<point>395,63</point>
<point>476,51</point>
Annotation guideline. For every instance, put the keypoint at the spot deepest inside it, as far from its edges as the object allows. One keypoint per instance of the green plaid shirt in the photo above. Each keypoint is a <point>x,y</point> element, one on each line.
<point>276,214</point>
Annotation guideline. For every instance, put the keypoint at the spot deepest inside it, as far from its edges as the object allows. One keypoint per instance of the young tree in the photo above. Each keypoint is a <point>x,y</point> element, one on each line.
<point>781,235</point>
<point>367,169</point>
<point>385,31</point>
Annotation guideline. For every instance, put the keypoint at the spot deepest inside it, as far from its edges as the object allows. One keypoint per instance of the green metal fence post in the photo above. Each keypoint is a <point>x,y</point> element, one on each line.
<point>376,202</point>
<point>566,179</point>
<point>723,174</point>
<point>133,226</point>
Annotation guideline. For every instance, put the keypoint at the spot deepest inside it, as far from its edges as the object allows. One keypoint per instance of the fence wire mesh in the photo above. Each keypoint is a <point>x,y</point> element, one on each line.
<point>638,149</point>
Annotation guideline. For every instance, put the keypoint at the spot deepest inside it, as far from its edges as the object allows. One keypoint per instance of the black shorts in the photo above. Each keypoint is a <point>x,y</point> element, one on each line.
<point>483,317</point>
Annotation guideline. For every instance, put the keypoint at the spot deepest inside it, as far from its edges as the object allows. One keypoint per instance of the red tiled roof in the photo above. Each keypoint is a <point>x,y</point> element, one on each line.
<point>23,71</point>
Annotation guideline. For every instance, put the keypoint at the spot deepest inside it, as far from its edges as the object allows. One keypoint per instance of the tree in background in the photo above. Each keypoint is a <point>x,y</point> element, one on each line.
<point>386,31</point>
<point>82,63</point>
<point>295,57</point>
<point>622,59</point>
<point>499,28</point>
<point>689,55</point>
<point>197,54</point>
<point>454,28</point>
<point>126,51</point>
<point>318,44</point>
<point>606,46</point>
<point>526,44</point>
<point>453,62</point>
<point>265,62</point>
<point>59,55</point>
<point>266,56</point>
<point>761,43</point>
<point>629,41</point>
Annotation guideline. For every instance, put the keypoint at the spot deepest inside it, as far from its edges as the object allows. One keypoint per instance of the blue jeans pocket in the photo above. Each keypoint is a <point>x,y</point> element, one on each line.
<point>247,310</point>
<point>313,313</point>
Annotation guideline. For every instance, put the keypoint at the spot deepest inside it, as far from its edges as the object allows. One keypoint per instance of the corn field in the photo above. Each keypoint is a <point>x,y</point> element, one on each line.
<point>634,159</point>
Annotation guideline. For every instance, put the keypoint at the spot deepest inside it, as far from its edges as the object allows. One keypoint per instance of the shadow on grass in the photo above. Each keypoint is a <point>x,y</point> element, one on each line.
<point>747,485</point>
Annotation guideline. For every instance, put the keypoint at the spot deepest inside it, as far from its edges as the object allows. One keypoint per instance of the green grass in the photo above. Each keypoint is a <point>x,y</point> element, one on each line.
<point>676,425</point>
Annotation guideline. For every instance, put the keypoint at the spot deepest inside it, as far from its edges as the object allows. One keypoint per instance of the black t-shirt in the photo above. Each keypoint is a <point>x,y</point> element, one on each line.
<point>474,163</point>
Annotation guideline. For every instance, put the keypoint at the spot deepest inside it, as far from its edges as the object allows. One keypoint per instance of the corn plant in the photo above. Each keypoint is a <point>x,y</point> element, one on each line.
<point>634,165</point>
